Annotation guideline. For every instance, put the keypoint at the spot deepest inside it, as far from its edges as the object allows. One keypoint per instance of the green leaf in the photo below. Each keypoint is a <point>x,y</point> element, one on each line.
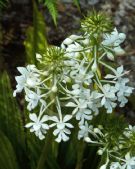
<point>36,37</point>
<point>76,2</point>
<point>52,7</point>
<point>3,3</point>
<point>11,120</point>
<point>10,115</point>
<point>7,155</point>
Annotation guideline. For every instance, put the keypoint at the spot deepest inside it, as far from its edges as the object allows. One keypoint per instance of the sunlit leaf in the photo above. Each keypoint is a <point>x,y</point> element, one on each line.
<point>36,37</point>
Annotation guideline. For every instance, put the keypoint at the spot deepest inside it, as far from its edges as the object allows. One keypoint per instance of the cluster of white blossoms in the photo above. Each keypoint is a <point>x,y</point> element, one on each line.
<point>74,82</point>
<point>124,159</point>
<point>70,78</point>
<point>127,163</point>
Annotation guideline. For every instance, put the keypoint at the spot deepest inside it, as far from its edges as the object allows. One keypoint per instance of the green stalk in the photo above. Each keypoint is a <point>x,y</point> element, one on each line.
<point>81,148</point>
<point>46,150</point>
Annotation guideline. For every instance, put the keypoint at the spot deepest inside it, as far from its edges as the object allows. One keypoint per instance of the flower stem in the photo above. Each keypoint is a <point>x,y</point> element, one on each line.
<point>81,147</point>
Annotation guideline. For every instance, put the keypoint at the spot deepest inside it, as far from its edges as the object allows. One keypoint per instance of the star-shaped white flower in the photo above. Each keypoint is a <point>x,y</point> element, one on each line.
<point>38,125</point>
<point>118,73</point>
<point>108,97</point>
<point>84,131</point>
<point>115,165</point>
<point>93,100</point>
<point>77,105</point>
<point>81,76</point>
<point>62,125</point>
<point>129,162</point>
<point>123,91</point>
<point>29,78</point>
<point>114,39</point>
<point>84,114</point>
<point>33,98</point>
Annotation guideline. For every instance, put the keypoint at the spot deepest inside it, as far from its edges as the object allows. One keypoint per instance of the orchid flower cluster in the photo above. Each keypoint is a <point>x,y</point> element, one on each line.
<point>74,82</point>
<point>119,152</point>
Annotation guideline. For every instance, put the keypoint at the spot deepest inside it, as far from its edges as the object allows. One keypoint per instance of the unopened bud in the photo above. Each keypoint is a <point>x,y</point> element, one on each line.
<point>86,41</point>
<point>103,166</point>
<point>122,36</point>
<point>120,146</point>
<point>46,73</point>
<point>38,56</point>
<point>110,56</point>
<point>94,66</point>
<point>54,89</point>
<point>87,139</point>
<point>100,152</point>
<point>67,79</point>
<point>74,37</point>
<point>67,41</point>
<point>119,51</point>
<point>96,130</point>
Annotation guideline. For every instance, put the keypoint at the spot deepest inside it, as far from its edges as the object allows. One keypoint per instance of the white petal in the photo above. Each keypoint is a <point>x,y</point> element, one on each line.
<point>75,86</point>
<point>64,137</point>
<point>54,118</point>
<point>67,118</point>
<point>22,70</point>
<point>67,131</point>
<point>67,41</point>
<point>45,126</point>
<point>69,125</point>
<point>33,117</point>
<point>87,111</point>
<point>76,92</point>
<point>56,131</point>
<point>58,139</point>
<point>103,101</point>
<point>41,136</point>
<point>29,125</point>
<point>71,104</point>
<point>120,69</point>
<point>75,110</point>
<point>52,125</point>
<point>20,79</point>
<point>44,118</point>
<point>109,76</point>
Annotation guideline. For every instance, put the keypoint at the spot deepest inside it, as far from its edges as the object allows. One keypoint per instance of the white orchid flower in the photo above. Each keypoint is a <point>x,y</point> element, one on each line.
<point>84,131</point>
<point>33,98</point>
<point>29,78</point>
<point>109,97</point>
<point>38,125</point>
<point>118,73</point>
<point>129,162</point>
<point>62,125</point>
<point>114,39</point>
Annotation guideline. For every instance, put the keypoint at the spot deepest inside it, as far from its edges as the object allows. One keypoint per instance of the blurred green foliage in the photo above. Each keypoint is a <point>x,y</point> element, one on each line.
<point>36,36</point>
<point>12,140</point>
<point>3,3</point>
<point>52,6</point>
